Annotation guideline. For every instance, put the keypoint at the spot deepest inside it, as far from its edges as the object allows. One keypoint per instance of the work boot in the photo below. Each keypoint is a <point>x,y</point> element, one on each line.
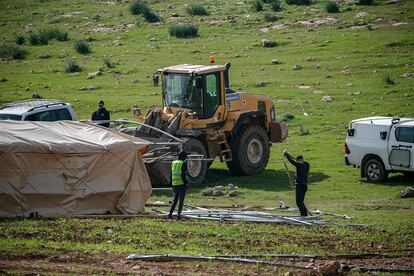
<point>170,216</point>
<point>178,217</point>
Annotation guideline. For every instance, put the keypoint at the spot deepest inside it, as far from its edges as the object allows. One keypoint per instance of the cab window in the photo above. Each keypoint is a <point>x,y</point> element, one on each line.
<point>405,134</point>
<point>212,94</point>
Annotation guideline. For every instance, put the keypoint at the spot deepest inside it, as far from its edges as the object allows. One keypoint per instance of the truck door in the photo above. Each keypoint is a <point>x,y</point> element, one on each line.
<point>401,148</point>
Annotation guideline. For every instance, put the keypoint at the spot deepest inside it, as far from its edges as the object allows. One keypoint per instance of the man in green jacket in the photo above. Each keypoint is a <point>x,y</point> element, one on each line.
<point>179,183</point>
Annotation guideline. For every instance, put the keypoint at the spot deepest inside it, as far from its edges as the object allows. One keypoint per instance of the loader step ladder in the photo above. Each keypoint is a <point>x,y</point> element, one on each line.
<point>225,151</point>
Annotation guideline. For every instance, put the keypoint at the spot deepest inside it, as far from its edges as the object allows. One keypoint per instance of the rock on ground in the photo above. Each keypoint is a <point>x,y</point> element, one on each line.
<point>326,99</point>
<point>407,192</point>
<point>94,74</point>
<point>233,193</point>
<point>329,268</point>
<point>207,192</point>
<point>268,43</point>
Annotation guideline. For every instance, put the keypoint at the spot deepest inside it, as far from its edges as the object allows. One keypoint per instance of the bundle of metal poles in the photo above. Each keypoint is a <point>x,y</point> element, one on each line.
<point>194,212</point>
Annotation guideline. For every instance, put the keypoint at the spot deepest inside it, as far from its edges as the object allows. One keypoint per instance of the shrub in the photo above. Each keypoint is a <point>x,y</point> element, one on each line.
<point>196,9</point>
<point>257,5</point>
<point>366,2</point>
<point>303,130</point>
<point>275,5</point>
<point>19,39</point>
<point>388,79</point>
<point>71,66</point>
<point>138,7</point>
<point>183,31</point>
<point>331,7</point>
<point>298,2</point>
<point>41,37</point>
<point>270,17</point>
<point>287,117</point>
<point>150,16</point>
<point>12,51</point>
<point>82,47</point>
<point>60,35</point>
<point>108,63</point>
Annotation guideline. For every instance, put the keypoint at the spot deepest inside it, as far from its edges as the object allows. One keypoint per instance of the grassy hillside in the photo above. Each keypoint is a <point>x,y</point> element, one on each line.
<point>348,56</point>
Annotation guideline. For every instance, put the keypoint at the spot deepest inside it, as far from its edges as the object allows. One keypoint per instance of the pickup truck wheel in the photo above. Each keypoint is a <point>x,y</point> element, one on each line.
<point>375,171</point>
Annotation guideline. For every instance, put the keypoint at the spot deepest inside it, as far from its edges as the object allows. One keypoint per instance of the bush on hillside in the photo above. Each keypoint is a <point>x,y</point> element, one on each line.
<point>82,47</point>
<point>366,2</point>
<point>298,2</point>
<point>39,38</point>
<point>388,79</point>
<point>138,7</point>
<point>183,31</point>
<point>71,66</point>
<point>11,51</point>
<point>196,9</point>
<point>275,5</point>
<point>19,39</point>
<point>257,5</point>
<point>151,17</point>
<point>331,7</point>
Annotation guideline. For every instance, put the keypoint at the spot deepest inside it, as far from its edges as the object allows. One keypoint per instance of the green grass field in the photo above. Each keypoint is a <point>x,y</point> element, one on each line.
<point>345,55</point>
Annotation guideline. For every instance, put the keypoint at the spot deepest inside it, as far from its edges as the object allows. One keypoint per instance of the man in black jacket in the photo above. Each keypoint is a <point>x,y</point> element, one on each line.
<point>302,171</point>
<point>101,114</point>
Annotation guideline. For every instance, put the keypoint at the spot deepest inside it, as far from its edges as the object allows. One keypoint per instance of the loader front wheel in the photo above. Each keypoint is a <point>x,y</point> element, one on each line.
<point>196,169</point>
<point>250,151</point>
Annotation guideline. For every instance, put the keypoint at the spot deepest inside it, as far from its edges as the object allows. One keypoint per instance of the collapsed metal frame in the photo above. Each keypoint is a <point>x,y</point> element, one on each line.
<point>168,156</point>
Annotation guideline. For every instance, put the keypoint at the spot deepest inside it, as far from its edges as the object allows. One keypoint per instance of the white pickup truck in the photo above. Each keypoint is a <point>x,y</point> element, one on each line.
<point>379,145</point>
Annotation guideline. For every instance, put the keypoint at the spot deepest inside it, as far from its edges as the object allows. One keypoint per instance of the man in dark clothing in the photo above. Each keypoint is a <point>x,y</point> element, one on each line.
<point>302,171</point>
<point>101,114</point>
<point>179,183</point>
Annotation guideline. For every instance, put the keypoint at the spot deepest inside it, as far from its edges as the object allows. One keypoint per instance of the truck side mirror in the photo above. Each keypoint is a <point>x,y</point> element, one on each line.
<point>199,83</point>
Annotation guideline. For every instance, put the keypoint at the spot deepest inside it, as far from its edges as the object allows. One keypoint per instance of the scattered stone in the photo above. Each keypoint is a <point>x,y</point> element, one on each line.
<point>376,71</point>
<point>326,98</point>
<point>62,56</point>
<point>408,75</point>
<point>391,2</point>
<point>329,268</point>
<point>407,192</point>
<point>262,83</point>
<point>315,22</point>
<point>219,188</point>
<point>43,56</point>
<point>275,61</point>
<point>231,186</point>
<point>268,43</point>
<point>349,84</point>
<point>361,15</point>
<point>304,87</point>
<point>174,14</point>
<point>217,193</point>
<point>94,74</point>
<point>270,17</point>
<point>27,88</point>
<point>117,43</point>
<point>89,88</point>
<point>297,67</point>
<point>233,193</point>
<point>35,95</point>
<point>207,192</point>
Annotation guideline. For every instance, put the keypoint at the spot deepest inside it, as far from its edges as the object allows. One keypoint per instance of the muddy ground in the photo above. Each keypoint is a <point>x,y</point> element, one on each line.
<point>86,263</point>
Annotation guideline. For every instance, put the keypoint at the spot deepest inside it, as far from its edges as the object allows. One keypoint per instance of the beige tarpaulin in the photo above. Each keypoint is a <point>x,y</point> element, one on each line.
<point>66,168</point>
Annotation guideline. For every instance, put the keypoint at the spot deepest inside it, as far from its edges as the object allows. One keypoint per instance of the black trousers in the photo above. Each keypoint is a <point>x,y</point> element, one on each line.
<point>300,198</point>
<point>179,195</point>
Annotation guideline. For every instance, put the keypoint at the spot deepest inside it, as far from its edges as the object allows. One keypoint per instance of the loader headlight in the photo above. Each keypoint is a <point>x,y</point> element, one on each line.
<point>272,113</point>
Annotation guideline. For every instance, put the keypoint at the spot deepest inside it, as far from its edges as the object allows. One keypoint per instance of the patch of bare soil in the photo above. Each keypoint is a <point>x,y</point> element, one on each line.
<point>85,263</point>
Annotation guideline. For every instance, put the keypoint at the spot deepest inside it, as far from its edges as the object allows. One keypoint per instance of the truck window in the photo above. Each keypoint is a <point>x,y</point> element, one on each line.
<point>10,117</point>
<point>212,93</point>
<point>63,114</point>
<point>405,134</point>
<point>46,116</point>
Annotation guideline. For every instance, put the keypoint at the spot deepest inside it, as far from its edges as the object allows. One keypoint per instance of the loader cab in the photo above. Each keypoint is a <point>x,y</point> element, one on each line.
<point>200,89</point>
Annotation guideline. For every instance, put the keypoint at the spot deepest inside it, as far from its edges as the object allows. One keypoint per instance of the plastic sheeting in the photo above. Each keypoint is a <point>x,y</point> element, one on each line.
<point>68,168</point>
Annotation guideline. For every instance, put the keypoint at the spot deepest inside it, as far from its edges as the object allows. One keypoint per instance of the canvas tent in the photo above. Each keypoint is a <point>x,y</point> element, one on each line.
<point>67,168</point>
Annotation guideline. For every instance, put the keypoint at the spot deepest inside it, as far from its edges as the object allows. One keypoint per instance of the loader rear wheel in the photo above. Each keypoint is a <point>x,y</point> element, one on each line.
<point>250,151</point>
<point>196,169</point>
